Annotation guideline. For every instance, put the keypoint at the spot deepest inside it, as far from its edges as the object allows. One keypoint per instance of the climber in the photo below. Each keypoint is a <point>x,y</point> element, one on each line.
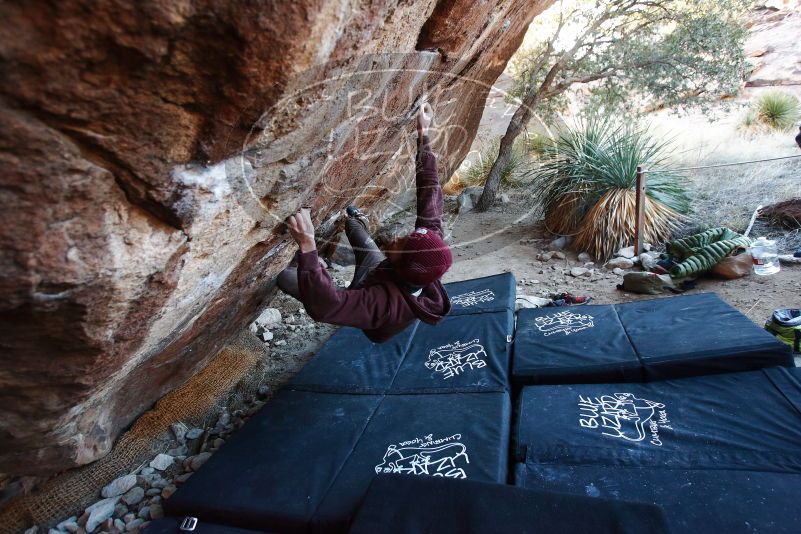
<point>389,292</point>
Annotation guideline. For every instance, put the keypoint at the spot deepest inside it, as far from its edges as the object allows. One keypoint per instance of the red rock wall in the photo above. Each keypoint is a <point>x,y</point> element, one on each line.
<point>149,151</point>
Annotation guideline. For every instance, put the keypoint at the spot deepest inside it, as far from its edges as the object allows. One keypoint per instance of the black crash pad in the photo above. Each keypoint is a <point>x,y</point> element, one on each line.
<point>410,505</point>
<point>304,461</point>
<point>274,471</point>
<point>462,353</point>
<point>465,352</point>
<point>687,335</point>
<point>480,295</point>
<point>719,453</point>
<point>573,345</point>
<point>350,363</point>
<point>172,525</point>
<point>691,335</point>
<point>449,435</point>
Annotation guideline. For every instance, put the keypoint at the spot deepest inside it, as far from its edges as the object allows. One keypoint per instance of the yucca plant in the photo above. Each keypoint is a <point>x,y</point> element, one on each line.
<point>778,110</point>
<point>587,182</point>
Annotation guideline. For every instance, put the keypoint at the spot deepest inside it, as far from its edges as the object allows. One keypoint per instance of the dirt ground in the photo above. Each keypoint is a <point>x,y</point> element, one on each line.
<point>513,240</point>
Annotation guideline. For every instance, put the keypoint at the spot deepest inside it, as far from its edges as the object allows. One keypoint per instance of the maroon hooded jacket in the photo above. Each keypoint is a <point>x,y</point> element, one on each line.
<point>382,305</point>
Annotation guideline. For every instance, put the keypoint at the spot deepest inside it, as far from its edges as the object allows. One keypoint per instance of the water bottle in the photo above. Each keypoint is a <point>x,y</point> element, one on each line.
<point>766,256</point>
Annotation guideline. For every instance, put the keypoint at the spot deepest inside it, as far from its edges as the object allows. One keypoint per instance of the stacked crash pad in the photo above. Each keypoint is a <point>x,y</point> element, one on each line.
<point>396,504</point>
<point>719,453</point>
<point>655,339</point>
<point>431,401</point>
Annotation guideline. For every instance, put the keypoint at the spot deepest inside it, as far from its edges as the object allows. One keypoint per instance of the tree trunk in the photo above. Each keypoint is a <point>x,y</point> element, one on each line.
<point>519,119</point>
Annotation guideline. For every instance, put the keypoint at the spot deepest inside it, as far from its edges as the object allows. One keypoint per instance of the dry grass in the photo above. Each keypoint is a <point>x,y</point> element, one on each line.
<point>727,196</point>
<point>610,224</point>
<point>563,218</point>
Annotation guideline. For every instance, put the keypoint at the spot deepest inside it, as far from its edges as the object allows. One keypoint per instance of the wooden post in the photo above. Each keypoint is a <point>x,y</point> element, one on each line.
<point>639,224</point>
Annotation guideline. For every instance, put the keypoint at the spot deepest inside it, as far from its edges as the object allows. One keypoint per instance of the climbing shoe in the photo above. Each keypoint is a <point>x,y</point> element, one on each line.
<point>353,211</point>
<point>785,324</point>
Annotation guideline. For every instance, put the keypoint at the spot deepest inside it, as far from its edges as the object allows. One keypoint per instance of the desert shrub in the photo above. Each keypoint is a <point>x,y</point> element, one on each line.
<point>513,173</point>
<point>537,144</point>
<point>774,110</point>
<point>587,179</point>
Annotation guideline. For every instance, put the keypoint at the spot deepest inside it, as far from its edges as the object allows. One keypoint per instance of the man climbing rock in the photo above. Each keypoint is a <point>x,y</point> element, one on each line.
<point>387,292</point>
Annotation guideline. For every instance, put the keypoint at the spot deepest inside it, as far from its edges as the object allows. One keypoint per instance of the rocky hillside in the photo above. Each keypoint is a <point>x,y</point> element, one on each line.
<point>150,151</point>
<point>773,46</point>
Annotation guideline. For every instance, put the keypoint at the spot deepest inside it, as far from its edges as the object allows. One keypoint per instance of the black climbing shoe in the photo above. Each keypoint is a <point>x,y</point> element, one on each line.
<point>353,211</point>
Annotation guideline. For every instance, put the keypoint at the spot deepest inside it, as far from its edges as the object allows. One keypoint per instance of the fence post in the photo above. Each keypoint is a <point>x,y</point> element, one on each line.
<point>639,223</point>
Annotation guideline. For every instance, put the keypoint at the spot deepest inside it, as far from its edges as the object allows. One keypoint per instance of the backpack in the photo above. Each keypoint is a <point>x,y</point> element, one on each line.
<point>785,324</point>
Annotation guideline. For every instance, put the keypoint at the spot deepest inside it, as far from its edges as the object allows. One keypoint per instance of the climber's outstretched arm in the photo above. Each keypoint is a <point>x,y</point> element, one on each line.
<point>429,192</point>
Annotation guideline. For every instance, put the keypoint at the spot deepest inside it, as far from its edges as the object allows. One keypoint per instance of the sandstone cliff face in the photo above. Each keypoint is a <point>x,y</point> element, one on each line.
<point>149,152</point>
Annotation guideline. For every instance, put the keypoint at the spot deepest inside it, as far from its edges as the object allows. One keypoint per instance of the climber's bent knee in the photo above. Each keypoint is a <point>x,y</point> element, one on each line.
<point>287,282</point>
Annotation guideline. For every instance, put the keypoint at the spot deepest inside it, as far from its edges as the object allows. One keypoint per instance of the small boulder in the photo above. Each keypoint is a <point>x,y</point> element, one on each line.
<point>161,483</point>
<point>133,496</point>
<point>118,486</point>
<point>178,451</point>
<point>265,336</point>
<point>194,462</point>
<point>134,524</point>
<point>559,255</point>
<point>120,510</point>
<point>194,433</point>
<point>167,492</point>
<point>162,461</point>
<point>560,243</point>
<point>648,261</point>
<point>580,271</point>
<point>585,257</point>
<point>619,263</point>
<point>463,204</point>
<point>546,256</point>
<point>627,252</point>
<point>179,431</point>
<point>68,525</point>
<point>618,271</point>
<point>268,318</point>
<point>156,511</point>
<point>100,512</point>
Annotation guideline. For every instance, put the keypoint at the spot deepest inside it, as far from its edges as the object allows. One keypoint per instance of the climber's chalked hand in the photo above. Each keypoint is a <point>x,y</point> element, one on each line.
<point>424,117</point>
<point>302,230</point>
